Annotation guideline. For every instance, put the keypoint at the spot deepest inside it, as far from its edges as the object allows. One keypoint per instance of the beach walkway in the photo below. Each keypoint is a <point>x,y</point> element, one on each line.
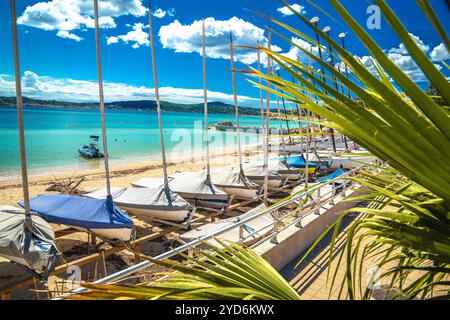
<point>313,278</point>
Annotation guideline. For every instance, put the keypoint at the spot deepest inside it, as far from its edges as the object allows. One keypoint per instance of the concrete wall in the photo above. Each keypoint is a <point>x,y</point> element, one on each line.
<point>294,240</point>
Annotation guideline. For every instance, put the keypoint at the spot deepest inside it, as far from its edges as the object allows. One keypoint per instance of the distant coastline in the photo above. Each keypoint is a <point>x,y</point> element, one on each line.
<point>140,105</point>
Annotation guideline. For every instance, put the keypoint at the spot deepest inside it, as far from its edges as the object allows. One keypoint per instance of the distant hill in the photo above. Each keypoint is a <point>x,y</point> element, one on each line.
<point>213,107</point>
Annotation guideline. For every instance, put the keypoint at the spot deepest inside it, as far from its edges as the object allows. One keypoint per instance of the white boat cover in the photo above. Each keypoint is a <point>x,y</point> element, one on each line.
<point>40,255</point>
<point>256,171</point>
<point>188,184</point>
<point>230,176</point>
<point>281,167</point>
<point>278,167</point>
<point>257,227</point>
<point>312,157</point>
<point>143,198</point>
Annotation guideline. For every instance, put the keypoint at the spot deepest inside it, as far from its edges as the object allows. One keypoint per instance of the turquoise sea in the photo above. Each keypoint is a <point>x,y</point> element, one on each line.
<point>53,136</point>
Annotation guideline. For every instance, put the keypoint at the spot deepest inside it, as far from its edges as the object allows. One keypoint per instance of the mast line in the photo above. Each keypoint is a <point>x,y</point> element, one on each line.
<point>236,106</point>
<point>23,156</point>
<point>102,100</point>
<point>158,103</point>
<point>205,96</point>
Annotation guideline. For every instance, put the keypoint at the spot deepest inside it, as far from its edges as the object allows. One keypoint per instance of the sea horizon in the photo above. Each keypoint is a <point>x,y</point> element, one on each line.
<point>53,136</point>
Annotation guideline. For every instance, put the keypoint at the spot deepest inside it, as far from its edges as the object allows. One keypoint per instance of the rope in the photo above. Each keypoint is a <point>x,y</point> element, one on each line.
<point>102,100</point>
<point>236,106</point>
<point>205,95</point>
<point>158,103</point>
<point>23,156</point>
<point>266,133</point>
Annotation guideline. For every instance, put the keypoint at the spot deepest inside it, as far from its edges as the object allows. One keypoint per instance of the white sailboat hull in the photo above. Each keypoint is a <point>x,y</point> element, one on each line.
<point>349,162</point>
<point>169,215</point>
<point>273,183</point>
<point>205,203</point>
<point>292,148</point>
<point>122,234</point>
<point>239,192</point>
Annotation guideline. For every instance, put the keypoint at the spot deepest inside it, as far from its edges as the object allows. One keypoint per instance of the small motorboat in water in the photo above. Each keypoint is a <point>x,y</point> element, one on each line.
<point>91,150</point>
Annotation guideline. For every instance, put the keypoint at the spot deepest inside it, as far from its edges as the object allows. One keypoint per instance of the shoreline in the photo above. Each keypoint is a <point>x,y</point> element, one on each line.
<point>121,174</point>
<point>97,165</point>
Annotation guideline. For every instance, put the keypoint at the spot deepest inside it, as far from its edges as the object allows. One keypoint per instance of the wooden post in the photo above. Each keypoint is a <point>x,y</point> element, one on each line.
<point>104,263</point>
<point>137,254</point>
<point>93,240</point>
<point>5,296</point>
<point>36,288</point>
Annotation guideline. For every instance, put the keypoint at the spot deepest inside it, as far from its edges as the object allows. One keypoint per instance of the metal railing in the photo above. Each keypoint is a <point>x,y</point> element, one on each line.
<point>116,277</point>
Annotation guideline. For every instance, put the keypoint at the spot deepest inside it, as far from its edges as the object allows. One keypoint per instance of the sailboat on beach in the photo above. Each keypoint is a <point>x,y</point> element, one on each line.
<point>98,216</point>
<point>25,239</point>
<point>196,187</point>
<point>232,179</point>
<point>157,200</point>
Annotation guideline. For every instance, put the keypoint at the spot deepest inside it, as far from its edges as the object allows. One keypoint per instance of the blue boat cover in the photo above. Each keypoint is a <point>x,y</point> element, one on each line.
<point>339,172</point>
<point>80,212</point>
<point>297,161</point>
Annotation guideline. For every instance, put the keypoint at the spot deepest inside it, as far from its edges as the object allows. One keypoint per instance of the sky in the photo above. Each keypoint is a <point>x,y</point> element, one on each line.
<point>58,59</point>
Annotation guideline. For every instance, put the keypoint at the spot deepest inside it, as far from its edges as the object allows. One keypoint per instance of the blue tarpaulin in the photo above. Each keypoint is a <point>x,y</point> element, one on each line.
<point>80,212</point>
<point>339,172</point>
<point>297,161</point>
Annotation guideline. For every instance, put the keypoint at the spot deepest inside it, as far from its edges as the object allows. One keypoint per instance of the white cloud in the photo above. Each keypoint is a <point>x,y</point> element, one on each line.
<point>400,57</point>
<point>138,37</point>
<point>295,53</point>
<point>112,40</point>
<point>440,53</point>
<point>70,15</point>
<point>288,12</point>
<point>188,38</point>
<point>42,87</point>
<point>404,62</point>
<point>402,50</point>
<point>160,13</point>
<point>68,35</point>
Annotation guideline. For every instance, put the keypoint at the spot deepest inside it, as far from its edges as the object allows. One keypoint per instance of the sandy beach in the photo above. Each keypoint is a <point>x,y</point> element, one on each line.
<point>74,246</point>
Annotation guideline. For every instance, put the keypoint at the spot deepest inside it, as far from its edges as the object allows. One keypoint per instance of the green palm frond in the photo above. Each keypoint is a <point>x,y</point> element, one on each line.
<point>409,130</point>
<point>227,272</point>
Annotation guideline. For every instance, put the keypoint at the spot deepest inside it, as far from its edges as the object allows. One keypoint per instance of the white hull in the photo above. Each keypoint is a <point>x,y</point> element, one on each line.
<point>273,183</point>
<point>241,193</point>
<point>290,176</point>
<point>169,215</point>
<point>292,148</point>
<point>122,234</point>
<point>349,163</point>
<point>207,203</point>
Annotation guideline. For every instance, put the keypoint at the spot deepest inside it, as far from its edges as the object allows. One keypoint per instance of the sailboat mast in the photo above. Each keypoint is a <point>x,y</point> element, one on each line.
<point>23,157</point>
<point>158,104</point>
<point>266,133</point>
<point>205,95</point>
<point>281,128</point>
<point>236,106</point>
<point>102,101</point>
<point>261,95</point>
<point>307,137</point>
<point>285,112</point>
